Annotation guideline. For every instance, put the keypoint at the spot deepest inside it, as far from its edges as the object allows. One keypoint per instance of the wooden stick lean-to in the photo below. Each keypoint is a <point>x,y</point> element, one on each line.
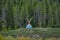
<point>30,19</point>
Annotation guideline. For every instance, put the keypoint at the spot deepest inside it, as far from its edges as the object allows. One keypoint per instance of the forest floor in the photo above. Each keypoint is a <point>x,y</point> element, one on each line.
<point>34,34</point>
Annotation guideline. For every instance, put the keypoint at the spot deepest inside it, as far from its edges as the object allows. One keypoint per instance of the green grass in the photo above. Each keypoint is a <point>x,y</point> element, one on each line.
<point>34,34</point>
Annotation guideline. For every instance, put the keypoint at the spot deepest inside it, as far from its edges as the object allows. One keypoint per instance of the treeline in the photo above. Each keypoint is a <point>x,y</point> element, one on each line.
<point>13,13</point>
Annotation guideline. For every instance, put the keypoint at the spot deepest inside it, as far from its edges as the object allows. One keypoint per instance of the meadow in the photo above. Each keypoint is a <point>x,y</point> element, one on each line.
<point>33,34</point>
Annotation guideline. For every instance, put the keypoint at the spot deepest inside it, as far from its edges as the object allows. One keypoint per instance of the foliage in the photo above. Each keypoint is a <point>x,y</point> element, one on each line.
<point>46,13</point>
<point>27,38</point>
<point>44,32</point>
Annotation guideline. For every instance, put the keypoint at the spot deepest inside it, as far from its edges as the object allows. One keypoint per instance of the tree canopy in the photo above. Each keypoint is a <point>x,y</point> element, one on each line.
<point>13,13</point>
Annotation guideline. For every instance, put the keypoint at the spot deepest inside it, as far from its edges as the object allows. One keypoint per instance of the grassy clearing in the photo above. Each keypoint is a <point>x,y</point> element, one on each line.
<point>27,38</point>
<point>34,34</point>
